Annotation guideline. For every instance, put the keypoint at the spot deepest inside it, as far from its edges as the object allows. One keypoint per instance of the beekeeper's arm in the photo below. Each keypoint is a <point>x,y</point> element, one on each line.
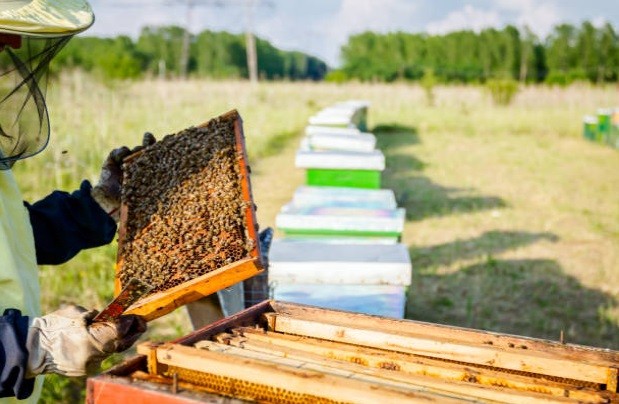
<point>65,342</point>
<point>64,224</point>
<point>14,355</point>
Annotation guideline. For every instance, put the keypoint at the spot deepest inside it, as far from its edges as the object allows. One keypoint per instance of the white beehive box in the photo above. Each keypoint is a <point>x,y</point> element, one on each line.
<point>341,160</point>
<point>360,142</point>
<point>341,221</point>
<point>330,130</point>
<point>313,263</point>
<point>306,196</point>
<point>379,300</point>
<point>371,278</point>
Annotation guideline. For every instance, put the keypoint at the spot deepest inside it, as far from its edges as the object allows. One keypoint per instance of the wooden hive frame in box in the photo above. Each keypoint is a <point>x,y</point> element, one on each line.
<point>162,302</point>
<point>288,353</point>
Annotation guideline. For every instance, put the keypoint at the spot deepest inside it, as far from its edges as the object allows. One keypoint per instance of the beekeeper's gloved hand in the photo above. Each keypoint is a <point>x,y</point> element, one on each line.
<point>107,191</point>
<point>67,343</point>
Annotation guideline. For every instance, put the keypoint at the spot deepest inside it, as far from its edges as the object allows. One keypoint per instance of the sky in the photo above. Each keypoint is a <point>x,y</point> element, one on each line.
<point>321,27</point>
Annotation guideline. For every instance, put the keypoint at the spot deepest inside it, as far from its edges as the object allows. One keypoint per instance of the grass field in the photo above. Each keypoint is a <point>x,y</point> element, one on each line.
<point>512,218</point>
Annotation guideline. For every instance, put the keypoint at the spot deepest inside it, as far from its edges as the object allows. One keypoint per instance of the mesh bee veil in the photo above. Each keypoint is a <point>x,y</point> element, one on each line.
<point>24,120</point>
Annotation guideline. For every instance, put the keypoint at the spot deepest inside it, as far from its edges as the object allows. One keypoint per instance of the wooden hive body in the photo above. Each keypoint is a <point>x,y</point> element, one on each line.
<point>287,353</point>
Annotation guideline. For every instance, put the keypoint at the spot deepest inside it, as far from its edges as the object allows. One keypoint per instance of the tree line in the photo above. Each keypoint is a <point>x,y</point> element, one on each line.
<point>158,51</point>
<point>569,53</point>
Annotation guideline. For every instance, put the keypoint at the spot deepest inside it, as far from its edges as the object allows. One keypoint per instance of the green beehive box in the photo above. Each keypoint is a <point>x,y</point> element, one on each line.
<point>604,124</point>
<point>369,179</point>
<point>590,127</point>
<point>338,168</point>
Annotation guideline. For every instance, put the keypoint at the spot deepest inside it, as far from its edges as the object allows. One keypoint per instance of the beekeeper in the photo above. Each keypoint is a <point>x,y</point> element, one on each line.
<point>54,229</point>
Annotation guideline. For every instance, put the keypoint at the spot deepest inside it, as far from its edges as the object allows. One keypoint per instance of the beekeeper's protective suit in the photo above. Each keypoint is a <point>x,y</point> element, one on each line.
<point>54,229</point>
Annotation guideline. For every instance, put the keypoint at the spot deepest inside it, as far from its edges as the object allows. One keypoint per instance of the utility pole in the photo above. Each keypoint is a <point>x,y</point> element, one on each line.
<point>250,42</point>
<point>184,62</point>
<point>186,42</point>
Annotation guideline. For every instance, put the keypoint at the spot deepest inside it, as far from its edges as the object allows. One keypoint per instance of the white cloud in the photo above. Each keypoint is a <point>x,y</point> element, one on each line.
<point>599,21</point>
<point>291,34</point>
<point>355,16</point>
<point>540,16</point>
<point>468,17</point>
<point>324,36</point>
<point>360,15</point>
<point>514,5</point>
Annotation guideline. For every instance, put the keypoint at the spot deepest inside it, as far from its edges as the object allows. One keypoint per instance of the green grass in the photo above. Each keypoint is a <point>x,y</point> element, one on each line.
<point>512,217</point>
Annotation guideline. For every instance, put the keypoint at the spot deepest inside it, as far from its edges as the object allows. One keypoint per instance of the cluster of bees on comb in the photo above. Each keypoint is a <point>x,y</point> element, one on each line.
<point>185,213</point>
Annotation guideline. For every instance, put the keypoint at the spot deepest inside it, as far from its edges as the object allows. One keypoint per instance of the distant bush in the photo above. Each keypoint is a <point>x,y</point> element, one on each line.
<point>336,76</point>
<point>502,91</point>
<point>557,79</point>
<point>428,82</point>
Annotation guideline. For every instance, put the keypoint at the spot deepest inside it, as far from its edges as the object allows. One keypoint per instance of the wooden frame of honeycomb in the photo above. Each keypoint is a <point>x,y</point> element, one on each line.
<point>187,218</point>
<point>288,353</point>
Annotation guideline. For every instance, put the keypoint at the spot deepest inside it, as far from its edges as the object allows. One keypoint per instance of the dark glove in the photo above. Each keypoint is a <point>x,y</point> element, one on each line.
<point>108,190</point>
<point>265,237</point>
<point>66,342</point>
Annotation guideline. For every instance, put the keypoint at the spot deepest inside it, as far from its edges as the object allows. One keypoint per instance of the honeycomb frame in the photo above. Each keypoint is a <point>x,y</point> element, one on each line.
<point>162,302</point>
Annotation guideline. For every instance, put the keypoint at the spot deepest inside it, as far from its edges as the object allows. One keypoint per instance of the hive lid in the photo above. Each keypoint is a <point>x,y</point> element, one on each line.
<point>360,142</point>
<point>312,129</point>
<point>342,160</point>
<point>188,221</point>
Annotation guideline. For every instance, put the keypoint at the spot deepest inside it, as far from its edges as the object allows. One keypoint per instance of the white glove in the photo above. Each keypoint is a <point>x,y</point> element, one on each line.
<point>65,342</point>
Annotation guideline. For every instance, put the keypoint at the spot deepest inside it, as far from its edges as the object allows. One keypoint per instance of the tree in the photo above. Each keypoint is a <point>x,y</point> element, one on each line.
<point>560,53</point>
<point>527,54</point>
<point>587,48</point>
<point>608,63</point>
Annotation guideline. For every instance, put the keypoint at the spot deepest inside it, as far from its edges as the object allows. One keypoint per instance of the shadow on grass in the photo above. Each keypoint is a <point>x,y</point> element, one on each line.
<point>399,135</point>
<point>531,297</point>
<point>424,198</point>
<point>421,196</point>
<point>277,143</point>
<point>426,259</point>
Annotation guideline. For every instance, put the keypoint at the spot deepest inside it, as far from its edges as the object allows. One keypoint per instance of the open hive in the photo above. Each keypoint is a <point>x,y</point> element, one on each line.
<point>280,352</point>
<point>188,223</point>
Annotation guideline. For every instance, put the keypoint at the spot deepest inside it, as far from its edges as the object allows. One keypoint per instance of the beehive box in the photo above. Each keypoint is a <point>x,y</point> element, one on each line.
<point>364,278</point>
<point>307,262</point>
<point>308,196</point>
<point>343,114</point>
<point>381,300</point>
<point>330,130</point>
<point>304,221</point>
<point>279,352</point>
<point>360,142</point>
<point>188,222</point>
<point>342,168</point>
